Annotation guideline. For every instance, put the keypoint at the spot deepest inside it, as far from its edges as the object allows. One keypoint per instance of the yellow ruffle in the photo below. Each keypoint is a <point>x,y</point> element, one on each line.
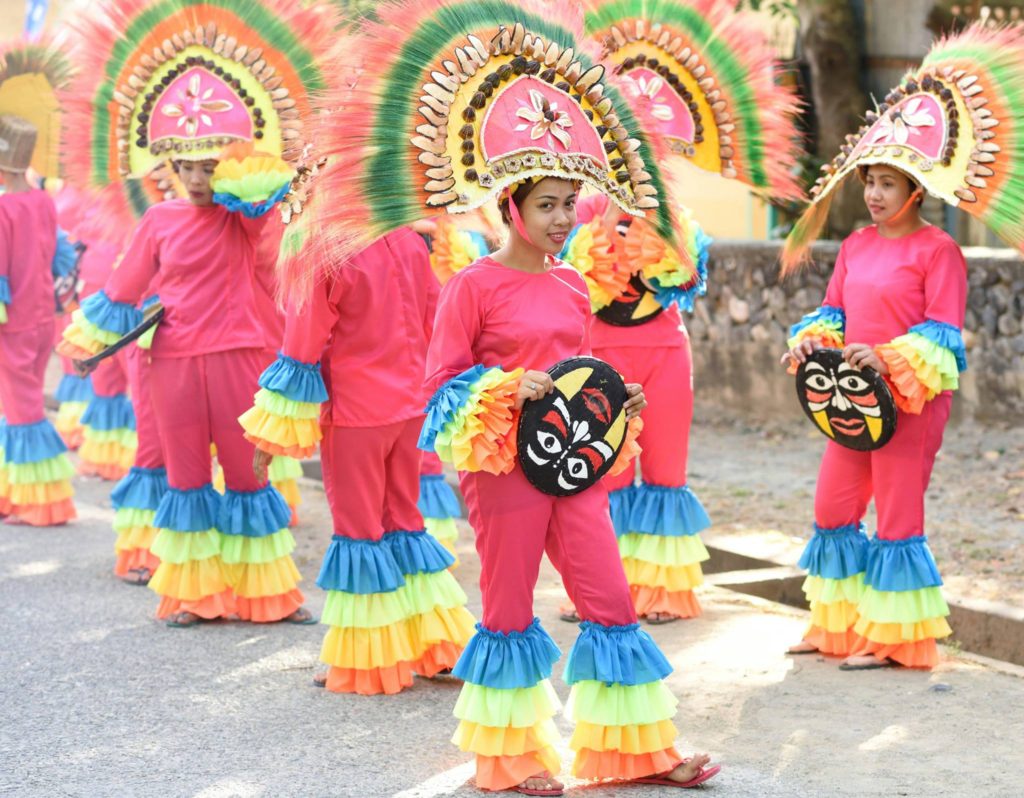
<point>633,739</point>
<point>288,436</point>
<point>257,580</point>
<point>190,581</point>
<point>892,634</point>
<point>836,617</point>
<point>670,577</point>
<point>38,492</point>
<point>507,741</point>
<point>135,537</point>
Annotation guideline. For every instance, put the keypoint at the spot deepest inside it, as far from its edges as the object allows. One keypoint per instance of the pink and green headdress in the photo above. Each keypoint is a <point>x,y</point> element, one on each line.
<point>704,77</point>
<point>955,126</point>
<point>448,103</point>
<point>183,79</point>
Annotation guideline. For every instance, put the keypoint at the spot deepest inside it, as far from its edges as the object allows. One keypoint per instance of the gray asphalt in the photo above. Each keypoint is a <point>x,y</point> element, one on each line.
<point>99,699</point>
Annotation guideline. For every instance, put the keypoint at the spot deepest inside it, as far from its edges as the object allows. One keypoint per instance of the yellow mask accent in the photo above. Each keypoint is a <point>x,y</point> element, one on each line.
<point>570,384</point>
<point>822,420</point>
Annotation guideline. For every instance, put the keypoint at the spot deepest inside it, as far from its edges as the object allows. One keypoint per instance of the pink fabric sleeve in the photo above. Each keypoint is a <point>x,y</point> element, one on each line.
<point>945,286</point>
<point>834,292</point>
<point>308,330</point>
<point>138,267</point>
<point>457,324</point>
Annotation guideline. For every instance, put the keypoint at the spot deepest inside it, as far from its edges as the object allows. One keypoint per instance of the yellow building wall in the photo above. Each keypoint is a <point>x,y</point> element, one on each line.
<point>724,208</point>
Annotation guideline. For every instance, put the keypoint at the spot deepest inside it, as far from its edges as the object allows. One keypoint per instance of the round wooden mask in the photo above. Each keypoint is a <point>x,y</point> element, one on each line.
<point>636,305</point>
<point>569,439</point>
<point>854,407</point>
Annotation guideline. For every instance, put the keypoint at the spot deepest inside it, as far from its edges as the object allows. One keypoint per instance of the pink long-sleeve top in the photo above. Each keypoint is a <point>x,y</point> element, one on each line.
<point>496,316</point>
<point>887,285</point>
<point>205,259</point>
<point>369,326</point>
<point>28,240</point>
<point>665,329</point>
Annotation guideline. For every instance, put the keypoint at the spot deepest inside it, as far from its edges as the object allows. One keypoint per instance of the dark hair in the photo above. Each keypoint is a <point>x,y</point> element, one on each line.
<point>518,197</point>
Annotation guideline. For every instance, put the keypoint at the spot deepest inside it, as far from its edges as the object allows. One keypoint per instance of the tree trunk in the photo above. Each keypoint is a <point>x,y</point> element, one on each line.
<point>830,41</point>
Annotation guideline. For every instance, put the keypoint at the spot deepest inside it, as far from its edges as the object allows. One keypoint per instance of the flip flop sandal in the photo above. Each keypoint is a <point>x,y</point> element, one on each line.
<point>662,620</point>
<point>791,653</point>
<point>176,624</point>
<point>317,682</point>
<point>871,666</point>
<point>531,791</point>
<point>570,617</point>
<point>700,778</point>
<point>304,620</point>
<point>139,580</point>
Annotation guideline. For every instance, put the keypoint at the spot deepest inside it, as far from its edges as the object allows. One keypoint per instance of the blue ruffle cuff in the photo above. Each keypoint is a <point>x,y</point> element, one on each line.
<point>64,256</point>
<point>623,655</point>
<point>826,314</point>
<point>118,318</point>
<point>620,505</point>
<point>671,512</point>
<point>251,210</point>
<point>193,510</point>
<point>417,552</point>
<point>354,565</point>
<point>294,380</point>
<point>109,413</point>
<point>140,489</point>
<point>507,660</point>
<point>5,291</point>
<point>900,565</point>
<point>445,403</point>
<point>254,514</point>
<point>836,553</point>
<point>29,443</point>
<point>437,499</point>
<point>73,388</point>
<point>946,335</point>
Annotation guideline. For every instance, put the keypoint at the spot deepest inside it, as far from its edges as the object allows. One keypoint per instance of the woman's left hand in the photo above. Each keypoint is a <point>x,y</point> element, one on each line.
<point>863,356</point>
<point>636,401</point>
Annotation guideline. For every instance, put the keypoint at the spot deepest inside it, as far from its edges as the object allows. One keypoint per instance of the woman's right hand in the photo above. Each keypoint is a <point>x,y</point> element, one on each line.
<point>533,385</point>
<point>798,354</point>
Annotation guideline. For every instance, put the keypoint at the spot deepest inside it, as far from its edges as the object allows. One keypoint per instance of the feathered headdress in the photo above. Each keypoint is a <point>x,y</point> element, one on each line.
<point>707,79</point>
<point>453,101</point>
<point>181,79</point>
<point>955,125</point>
<point>32,75</point>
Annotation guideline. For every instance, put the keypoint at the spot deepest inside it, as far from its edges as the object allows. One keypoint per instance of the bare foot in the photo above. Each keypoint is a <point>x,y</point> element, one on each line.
<point>542,781</point>
<point>803,647</point>
<point>660,617</point>
<point>688,770</point>
<point>13,520</point>
<point>867,662</point>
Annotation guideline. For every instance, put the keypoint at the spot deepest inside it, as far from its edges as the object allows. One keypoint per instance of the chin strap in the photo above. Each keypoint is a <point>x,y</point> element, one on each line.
<point>517,220</point>
<point>915,194</point>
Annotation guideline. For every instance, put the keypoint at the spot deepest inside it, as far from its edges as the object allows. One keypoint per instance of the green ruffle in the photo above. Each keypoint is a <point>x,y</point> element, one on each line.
<point>830,591</point>
<point>284,468</point>
<point>133,518</point>
<point>90,330</point>
<point>621,705</point>
<point>663,549</point>
<point>128,438</point>
<point>420,594</point>
<point>904,606</point>
<point>941,359</point>
<point>518,707</point>
<point>277,405</point>
<point>245,549</point>
<point>183,547</point>
<point>442,528</point>
<point>52,469</point>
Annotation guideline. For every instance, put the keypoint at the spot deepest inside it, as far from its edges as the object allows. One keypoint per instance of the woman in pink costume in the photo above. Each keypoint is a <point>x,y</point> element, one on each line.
<point>34,468</point>
<point>896,304</point>
<point>358,348</point>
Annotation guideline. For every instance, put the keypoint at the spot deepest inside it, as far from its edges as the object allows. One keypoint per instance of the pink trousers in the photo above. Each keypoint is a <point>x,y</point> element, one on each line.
<point>23,359</point>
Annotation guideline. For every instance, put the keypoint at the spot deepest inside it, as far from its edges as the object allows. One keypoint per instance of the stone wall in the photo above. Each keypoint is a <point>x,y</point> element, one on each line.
<point>738,331</point>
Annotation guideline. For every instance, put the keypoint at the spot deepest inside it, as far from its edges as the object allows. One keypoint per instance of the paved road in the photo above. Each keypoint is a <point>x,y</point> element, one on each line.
<point>98,699</point>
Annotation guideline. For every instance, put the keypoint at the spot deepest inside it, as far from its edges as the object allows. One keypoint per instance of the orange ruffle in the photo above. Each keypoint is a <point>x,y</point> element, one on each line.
<point>630,448</point>
<point>682,603</point>
<point>922,654</point>
<point>135,559</point>
<point>502,772</point>
<point>909,393</point>
<point>296,451</point>
<point>832,644</point>
<point>72,436</point>
<point>395,678</point>
<point>52,514</point>
<point>219,605</point>
<point>112,472</point>
<point>615,765</point>
<point>269,609</point>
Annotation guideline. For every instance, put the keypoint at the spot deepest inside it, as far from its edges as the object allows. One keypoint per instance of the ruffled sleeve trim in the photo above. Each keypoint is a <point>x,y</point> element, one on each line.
<point>836,553</point>
<point>285,416</point>
<point>826,325</point>
<point>901,565</point>
<point>630,448</point>
<point>508,660</point>
<point>251,185</point>
<point>5,291</point>
<point>590,251</point>
<point>295,380</point>
<point>924,363</point>
<point>624,655</point>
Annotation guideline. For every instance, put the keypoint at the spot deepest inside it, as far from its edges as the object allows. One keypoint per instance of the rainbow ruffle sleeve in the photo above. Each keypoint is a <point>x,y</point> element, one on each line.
<point>674,273</point>
<point>251,184</point>
<point>622,708</point>
<point>145,341</point>
<point>924,363</point>
<point>5,298</point>
<point>591,252</point>
<point>506,705</point>
<point>902,611</point>
<point>97,324</point>
<point>452,249</point>
<point>470,420</point>
<point>64,256</point>
<point>826,325</point>
<point>285,416</point>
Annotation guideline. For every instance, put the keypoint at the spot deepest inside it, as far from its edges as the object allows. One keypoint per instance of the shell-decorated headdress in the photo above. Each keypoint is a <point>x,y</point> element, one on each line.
<point>705,78</point>
<point>32,75</point>
<point>181,79</point>
<point>955,125</point>
<point>453,101</point>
